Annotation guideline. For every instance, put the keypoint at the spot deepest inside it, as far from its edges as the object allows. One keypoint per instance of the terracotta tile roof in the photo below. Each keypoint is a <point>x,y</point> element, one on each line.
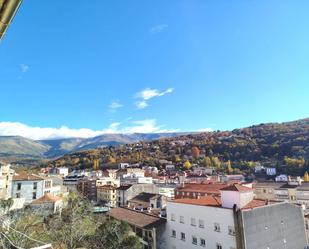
<point>210,188</point>
<point>203,201</point>
<point>107,187</point>
<point>23,176</point>
<point>47,198</point>
<point>135,218</point>
<point>256,203</point>
<point>237,187</point>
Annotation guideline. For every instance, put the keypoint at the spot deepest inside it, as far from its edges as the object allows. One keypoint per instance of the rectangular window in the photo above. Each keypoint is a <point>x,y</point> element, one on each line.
<point>231,230</point>
<point>19,186</point>
<point>219,246</point>
<point>201,223</point>
<point>182,219</point>
<point>173,233</point>
<point>193,222</point>
<point>35,185</point>
<point>183,236</point>
<point>194,240</point>
<point>172,217</point>
<point>17,195</point>
<point>47,184</point>
<point>217,227</point>
<point>202,242</point>
<point>34,195</point>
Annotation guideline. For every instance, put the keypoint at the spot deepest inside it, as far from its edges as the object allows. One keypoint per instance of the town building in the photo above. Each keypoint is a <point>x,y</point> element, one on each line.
<point>196,190</point>
<point>27,186</point>
<point>6,177</point>
<point>234,220</point>
<point>128,192</point>
<point>147,227</point>
<point>107,195</point>
<point>149,201</point>
<point>88,188</point>
<point>47,204</point>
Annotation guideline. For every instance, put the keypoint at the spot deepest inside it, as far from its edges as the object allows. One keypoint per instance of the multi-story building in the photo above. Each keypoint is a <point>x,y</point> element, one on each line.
<point>6,177</point>
<point>128,192</point>
<point>149,228</point>
<point>196,190</point>
<point>234,220</point>
<point>107,195</point>
<point>102,181</point>
<point>27,186</point>
<point>88,188</point>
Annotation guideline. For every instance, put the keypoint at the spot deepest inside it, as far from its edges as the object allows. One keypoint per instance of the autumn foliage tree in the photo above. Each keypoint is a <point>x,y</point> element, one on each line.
<point>195,152</point>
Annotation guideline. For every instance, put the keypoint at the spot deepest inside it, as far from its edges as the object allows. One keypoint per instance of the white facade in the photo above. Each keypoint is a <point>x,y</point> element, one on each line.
<point>63,171</point>
<point>28,189</point>
<point>240,199</point>
<point>202,226</point>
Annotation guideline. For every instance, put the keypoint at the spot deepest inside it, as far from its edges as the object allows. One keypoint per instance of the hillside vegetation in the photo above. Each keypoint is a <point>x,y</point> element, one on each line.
<point>282,145</point>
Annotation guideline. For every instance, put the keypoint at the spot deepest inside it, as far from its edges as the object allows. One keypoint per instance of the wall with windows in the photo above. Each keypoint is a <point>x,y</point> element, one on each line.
<point>30,190</point>
<point>194,226</point>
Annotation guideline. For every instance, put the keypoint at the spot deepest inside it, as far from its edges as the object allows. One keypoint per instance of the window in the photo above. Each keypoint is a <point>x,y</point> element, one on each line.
<point>218,246</point>
<point>19,186</point>
<point>173,233</point>
<point>17,195</point>
<point>35,185</point>
<point>217,227</point>
<point>34,195</point>
<point>172,217</point>
<point>183,236</point>
<point>47,184</point>
<point>231,230</point>
<point>194,240</point>
<point>193,222</point>
<point>202,242</point>
<point>182,219</point>
<point>201,223</point>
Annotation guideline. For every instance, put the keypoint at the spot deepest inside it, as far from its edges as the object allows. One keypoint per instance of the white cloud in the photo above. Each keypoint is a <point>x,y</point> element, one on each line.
<point>158,28</point>
<point>148,94</point>
<point>115,104</point>
<point>24,68</point>
<point>205,130</point>
<point>41,133</point>
<point>141,104</point>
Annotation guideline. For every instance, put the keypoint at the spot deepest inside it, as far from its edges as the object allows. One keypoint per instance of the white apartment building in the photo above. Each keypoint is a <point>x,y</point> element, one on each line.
<point>234,221</point>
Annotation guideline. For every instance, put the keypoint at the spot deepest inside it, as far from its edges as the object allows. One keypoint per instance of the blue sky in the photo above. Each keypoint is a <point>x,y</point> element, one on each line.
<point>125,66</point>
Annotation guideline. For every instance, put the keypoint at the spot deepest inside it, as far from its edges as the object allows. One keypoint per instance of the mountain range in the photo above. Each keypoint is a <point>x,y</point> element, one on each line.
<point>24,150</point>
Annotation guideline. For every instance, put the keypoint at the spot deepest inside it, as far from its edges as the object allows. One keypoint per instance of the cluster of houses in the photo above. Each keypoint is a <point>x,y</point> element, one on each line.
<point>182,210</point>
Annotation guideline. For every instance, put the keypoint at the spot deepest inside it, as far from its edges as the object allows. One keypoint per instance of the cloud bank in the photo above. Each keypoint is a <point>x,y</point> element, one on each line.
<point>42,133</point>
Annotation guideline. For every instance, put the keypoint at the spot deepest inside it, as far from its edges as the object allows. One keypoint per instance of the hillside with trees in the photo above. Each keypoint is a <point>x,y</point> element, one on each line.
<point>281,145</point>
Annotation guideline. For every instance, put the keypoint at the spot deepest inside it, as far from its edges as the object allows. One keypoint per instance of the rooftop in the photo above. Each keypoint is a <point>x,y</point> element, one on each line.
<point>47,198</point>
<point>212,201</point>
<point>23,176</point>
<point>203,201</point>
<point>135,218</point>
<point>210,188</point>
<point>124,187</point>
<point>237,188</point>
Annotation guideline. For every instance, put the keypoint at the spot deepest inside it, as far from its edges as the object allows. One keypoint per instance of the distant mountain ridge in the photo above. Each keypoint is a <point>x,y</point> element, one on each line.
<point>17,148</point>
